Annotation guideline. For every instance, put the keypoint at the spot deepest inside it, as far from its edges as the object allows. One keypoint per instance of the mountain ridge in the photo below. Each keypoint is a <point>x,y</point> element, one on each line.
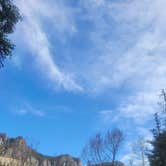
<point>17,149</point>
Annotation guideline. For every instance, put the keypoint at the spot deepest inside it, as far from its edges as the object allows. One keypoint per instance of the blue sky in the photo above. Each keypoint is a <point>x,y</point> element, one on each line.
<point>83,66</point>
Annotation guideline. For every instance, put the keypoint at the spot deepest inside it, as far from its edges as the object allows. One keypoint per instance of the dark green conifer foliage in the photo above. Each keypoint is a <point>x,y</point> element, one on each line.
<point>9,16</point>
<point>157,156</point>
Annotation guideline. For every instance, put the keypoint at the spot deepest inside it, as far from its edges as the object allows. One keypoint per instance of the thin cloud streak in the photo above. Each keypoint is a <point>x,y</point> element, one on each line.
<point>37,41</point>
<point>27,109</point>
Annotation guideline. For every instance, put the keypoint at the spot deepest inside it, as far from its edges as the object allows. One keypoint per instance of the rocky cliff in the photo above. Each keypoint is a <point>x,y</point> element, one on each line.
<point>16,149</point>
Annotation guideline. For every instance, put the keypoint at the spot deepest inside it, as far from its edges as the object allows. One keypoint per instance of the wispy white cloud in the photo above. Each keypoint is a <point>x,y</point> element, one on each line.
<point>140,107</point>
<point>140,44</point>
<point>107,116</point>
<point>37,41</point>
<point>128,49</point>
<point>27,109</point>
<point>131,54</point>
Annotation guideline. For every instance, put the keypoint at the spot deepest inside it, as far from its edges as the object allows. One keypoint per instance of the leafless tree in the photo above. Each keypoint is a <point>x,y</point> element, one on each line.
<point>113,141</point>
<point>163,100</point>
<point>131,162</point>
<point>93,151</point>
<point>140,148</point>
<point>103,148</point>
<point>162,114</point>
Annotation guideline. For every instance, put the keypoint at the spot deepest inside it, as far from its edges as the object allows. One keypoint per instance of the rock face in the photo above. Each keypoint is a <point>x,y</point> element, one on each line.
<point>17,149</point>
<point>62,160</point>
<point>117,163</point>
